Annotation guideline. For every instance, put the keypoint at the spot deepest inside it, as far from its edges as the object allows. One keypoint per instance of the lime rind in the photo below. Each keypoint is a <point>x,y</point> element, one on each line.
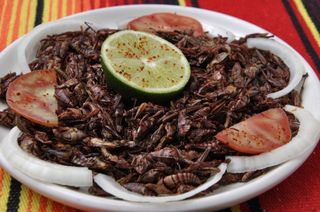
<point>143,64</point>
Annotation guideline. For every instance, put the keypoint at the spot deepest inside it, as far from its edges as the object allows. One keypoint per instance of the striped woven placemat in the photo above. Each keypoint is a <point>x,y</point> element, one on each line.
<point>297,22</point>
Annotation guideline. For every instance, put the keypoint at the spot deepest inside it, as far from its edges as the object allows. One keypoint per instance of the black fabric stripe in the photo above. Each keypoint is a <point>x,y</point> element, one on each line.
<point>173,2</point>
<point>149,2</point>
<point>195,3</point>
<point>303,37</point>
<point>39,12</point>
<point>14,196</point>
<point>254,205</point>
<point>313,9</point>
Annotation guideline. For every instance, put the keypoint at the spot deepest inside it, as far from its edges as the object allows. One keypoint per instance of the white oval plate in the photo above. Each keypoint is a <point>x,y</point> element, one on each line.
<point>224,197</point>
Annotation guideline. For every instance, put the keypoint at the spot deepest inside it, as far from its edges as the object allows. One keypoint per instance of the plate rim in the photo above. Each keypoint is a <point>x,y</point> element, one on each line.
<point>72,197</point>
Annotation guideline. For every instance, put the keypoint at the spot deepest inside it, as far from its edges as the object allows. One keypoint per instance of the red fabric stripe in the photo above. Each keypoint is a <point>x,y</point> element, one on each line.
<point>298,192</point>
<point>93,5</point>
<point>258,12</point>
<point>189,3</point>
<point>43,204</point>
<point>244,207</point>
<point>57,207</point>
<point>103,3</point>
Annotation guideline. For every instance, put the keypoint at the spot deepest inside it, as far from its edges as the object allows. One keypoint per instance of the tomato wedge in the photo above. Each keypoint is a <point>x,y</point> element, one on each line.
<point>259,133</point>
<point>166,22</point>
<point>32,96</point>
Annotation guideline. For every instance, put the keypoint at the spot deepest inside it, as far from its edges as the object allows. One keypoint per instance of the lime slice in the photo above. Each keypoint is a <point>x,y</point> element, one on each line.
<point>144,65</point>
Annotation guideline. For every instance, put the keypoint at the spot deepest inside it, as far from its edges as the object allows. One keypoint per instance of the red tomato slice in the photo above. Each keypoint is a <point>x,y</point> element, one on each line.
<point>259,133</point>
<point>32,96</point>
<point>166,22</point>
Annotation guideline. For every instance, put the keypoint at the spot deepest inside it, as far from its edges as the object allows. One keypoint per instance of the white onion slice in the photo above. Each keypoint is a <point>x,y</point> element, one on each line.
<point>215,31</point>
<point>288,56</point>
<point>30,44</point>
<point>40,169</point>
<point>109,185</point>
<point>307,138</point>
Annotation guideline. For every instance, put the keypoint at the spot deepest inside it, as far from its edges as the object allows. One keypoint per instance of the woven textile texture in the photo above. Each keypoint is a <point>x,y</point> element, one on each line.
<point>297,22</point>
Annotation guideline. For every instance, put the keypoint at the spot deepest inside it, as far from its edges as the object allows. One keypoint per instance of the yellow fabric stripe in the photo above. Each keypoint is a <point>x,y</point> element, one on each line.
<point>182,3</point>
<point>5,192</point>
<point>1,180</point>
<point>12,20</point>
<point>54,10</point>
<point>308,20</point>
<point>1,185</point>
<point>32,16</point>
<point>2,14</point>
<point>49,206</point>
<point>23,205</point>
<point>35,202</point>
<point>236,208</point>
<point>64,8</point>
<point>23,18</point>
<point>46,8</point>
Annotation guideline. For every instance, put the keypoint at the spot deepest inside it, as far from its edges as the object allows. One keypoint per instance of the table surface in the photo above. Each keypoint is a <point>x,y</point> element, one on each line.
<point>297,22</point>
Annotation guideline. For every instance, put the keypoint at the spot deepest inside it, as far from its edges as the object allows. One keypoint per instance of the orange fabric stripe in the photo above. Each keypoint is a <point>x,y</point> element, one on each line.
<point>73,6</point>
<point>43,204</point>
<point>96,4</point>
<point>30,194</point>
<point>50,10</point>
<point>12,22</point>
<point>5,24</point>
<point>107,4</point>
<point>57,207</point>
<point>69,7</point>
<point>17,21</point>
<point>86,5</point>
<point>3,7</point>
<point>60,2</point>
<point>78,6</point>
